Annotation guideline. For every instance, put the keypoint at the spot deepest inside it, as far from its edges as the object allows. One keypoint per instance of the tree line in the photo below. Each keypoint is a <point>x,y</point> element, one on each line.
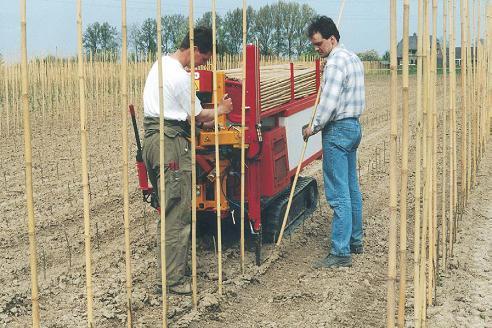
<point>279,29</point>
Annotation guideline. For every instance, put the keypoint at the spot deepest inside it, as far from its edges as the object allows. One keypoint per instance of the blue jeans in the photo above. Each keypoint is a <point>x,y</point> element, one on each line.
<point>340,141</point>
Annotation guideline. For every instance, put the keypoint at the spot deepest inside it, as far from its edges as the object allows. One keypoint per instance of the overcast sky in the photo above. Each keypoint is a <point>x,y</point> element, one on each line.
<point>51,24</point>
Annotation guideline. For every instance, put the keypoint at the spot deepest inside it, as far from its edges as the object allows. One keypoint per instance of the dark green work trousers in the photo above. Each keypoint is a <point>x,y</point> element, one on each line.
<point>177,172</point>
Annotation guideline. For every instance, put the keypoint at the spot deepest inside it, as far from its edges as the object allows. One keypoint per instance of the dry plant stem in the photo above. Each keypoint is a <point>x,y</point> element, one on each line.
<point>194,295</point>
<point>85,171</point>
<point>303,152</point>
<point>217,155</point>
<point>404,171</point>
<point>418,156</point>
<point>28,172</point>
<point>124,155</point>
<point>243,126</point>
<point>162,178</point>
<point>391,278</point>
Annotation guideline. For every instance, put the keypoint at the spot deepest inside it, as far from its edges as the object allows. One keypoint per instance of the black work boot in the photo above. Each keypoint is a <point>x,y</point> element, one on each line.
<point>356,249</point>
<point>333,261</point>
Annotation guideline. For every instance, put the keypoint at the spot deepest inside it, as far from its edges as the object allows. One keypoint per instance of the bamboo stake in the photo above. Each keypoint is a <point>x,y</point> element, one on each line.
<point>85,171</point>
<point>217,146</point>
<point>28,172</point>
<point>243,135</point>
<point>489,67</point>
<point>124,136</point>
<point>193,159</point>
<point>303,152</point>
<point>390,306</point>
<point>162,179</point>
<point>445,133</point>
<point>418,156</point>
<point>480,96</point>
<point>433,158</point>
<point>469,120</point>
<point>7,102</point>
<point>474,127</point>
<point>404,170</point>
<point>464,95</point>
<point>453,138</point>
<point>426,164</point>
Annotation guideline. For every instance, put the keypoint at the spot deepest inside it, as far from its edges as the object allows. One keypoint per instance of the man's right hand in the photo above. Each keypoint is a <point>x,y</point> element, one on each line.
<point>225,105</point>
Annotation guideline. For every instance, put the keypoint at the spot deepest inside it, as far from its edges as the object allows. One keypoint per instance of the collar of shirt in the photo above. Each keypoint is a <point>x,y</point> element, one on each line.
<point>339,47</point>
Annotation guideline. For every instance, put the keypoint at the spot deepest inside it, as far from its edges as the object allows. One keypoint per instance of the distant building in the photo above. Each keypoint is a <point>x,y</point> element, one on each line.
<point>412,50</point>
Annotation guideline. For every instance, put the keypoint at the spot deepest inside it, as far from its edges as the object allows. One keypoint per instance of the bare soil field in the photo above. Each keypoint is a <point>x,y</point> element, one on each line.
<point>284,292</point>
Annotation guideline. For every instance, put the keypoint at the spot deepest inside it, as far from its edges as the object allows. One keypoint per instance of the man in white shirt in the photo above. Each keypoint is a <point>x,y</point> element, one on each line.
<point>177,111</point>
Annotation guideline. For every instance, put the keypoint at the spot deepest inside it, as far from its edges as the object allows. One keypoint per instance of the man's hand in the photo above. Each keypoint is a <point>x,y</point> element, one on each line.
<point>307,131</point>
<point>225,105</point>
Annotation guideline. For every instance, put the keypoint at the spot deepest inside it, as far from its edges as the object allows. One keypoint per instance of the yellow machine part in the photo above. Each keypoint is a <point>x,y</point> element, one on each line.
<point>204,204</point>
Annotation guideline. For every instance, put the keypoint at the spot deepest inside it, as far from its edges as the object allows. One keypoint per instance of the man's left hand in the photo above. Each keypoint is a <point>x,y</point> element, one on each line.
<point>307,131</point>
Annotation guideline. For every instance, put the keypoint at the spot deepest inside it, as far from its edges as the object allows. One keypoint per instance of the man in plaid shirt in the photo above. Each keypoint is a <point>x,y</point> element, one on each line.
<point>342,101</point>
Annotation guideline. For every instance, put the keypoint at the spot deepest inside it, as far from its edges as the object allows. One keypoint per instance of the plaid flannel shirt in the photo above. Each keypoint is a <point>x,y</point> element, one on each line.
<point>343,93</point>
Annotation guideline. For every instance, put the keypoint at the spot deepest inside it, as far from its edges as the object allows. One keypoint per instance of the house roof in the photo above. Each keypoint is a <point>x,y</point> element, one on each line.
<point>412,44</point>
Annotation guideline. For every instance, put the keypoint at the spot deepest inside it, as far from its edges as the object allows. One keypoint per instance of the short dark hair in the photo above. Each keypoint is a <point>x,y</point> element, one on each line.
<point>324,26</point>
<point>203,40</point>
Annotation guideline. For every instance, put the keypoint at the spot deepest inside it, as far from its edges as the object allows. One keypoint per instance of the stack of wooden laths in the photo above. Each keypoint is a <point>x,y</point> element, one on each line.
<point>275,83</point>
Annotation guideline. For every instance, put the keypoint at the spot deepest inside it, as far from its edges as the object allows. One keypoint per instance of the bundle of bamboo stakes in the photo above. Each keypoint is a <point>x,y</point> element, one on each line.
<point>275,81</point>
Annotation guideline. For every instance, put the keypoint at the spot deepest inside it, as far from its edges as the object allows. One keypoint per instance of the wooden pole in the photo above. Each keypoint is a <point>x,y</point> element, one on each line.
<point>404,170</point>
<point>28,171</point>
<point>217,155</point>
<point>124,155</point>
<point>85,171</point>
<point>193,159</point>
<point>390,306</point>
<point>243,135</point>
<point>418,156</point>
<point>162,179</point>
<point>303,152</point>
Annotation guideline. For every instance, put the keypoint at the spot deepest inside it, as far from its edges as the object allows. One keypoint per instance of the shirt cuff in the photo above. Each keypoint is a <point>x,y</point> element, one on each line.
<point>316,128</point>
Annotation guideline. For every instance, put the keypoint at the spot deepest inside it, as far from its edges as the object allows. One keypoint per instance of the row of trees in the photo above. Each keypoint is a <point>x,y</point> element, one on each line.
<point>279,29</point>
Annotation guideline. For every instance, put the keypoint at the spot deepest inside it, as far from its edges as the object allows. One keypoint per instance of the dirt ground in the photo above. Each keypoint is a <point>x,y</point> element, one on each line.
<point>465,294</point>
<point>284,292</point>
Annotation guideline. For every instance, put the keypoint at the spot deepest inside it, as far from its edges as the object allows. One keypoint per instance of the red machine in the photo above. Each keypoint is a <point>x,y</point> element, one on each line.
<point>274,144</point>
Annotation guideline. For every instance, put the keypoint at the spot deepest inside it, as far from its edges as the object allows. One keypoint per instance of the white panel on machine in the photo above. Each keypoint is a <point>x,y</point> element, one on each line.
<point>293,125</point>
